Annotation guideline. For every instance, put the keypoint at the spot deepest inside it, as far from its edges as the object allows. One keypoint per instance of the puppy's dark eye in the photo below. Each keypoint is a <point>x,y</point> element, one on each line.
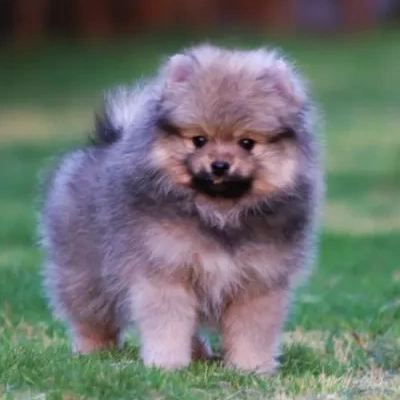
<point>199,141</point>
<point>247,144</point>
<point>283,134</point>
<point>165,125</point>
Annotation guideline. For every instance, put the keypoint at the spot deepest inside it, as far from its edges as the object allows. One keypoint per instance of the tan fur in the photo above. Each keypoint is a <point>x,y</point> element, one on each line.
<point>88,339</point>
<point>166,310</point>
<point>242,106</point>
<point>213,268</point>
<point>250,331</point>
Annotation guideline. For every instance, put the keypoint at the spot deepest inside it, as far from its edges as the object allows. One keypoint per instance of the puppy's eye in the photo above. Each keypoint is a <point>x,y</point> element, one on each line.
<point>283,134</point>
<point>199,141</point>
<point>165,125</point>
<point>247,144</point>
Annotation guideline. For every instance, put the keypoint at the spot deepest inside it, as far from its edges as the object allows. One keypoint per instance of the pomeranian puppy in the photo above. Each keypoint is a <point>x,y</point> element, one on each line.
<point>196,206</point>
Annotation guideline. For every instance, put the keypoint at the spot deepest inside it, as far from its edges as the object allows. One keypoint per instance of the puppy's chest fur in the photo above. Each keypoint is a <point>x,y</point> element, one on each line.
<point>215,266</point>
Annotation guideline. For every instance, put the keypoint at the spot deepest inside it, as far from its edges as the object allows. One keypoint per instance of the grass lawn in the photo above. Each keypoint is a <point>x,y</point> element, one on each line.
<point>342,340</point>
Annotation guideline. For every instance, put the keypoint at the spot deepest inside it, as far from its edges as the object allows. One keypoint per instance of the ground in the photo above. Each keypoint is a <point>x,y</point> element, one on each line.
<point>342,339</point>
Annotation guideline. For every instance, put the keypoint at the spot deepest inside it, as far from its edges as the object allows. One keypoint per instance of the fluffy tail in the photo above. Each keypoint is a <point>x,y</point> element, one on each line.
<point>121,110</point>
<point>104,133</point>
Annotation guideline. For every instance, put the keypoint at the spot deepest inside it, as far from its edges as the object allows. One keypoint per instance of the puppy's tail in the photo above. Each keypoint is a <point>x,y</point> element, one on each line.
<point>121,109</point>
<point>104,133</point>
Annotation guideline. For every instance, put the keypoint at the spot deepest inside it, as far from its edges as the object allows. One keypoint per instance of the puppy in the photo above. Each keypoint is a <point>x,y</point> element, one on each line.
<point>196,206</point>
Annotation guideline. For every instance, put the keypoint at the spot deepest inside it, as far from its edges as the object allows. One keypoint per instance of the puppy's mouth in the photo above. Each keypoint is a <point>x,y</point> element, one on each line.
<point>229,187</point>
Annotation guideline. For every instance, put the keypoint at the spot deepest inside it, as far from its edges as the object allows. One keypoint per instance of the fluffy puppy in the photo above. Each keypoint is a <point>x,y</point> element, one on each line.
<point>195,206</point>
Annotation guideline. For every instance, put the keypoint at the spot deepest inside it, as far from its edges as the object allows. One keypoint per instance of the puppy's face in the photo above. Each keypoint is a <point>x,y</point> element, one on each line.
<point>227,165</point>
<point>228,133</point>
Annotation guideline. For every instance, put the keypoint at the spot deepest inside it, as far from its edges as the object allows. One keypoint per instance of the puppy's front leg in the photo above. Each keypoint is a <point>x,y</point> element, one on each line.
<point>251,330</point>
<point>166,316</point>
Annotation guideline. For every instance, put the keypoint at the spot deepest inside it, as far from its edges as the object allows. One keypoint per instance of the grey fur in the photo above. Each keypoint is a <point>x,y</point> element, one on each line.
<point>105,203</point>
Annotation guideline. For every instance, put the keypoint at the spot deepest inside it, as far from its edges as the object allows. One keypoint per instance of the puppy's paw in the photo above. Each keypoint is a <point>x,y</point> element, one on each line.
<point>166,359</point>
<point>88,339</point>
<point>253,366</point>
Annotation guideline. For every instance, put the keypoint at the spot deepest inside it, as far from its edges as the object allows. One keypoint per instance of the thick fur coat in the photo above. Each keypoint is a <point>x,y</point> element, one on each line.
<point>195,206</point>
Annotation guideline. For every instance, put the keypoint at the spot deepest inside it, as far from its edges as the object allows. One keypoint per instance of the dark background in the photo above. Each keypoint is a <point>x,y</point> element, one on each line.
<point>28,20</point>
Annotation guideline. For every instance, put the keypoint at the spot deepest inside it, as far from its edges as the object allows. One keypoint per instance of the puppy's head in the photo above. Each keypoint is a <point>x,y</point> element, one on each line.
<point>232,125</point>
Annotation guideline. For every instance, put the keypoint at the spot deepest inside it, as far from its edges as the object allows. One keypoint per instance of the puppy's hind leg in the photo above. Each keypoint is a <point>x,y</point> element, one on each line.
<point>76,298</point>
<point>165,314</point>
<point>89,338</point>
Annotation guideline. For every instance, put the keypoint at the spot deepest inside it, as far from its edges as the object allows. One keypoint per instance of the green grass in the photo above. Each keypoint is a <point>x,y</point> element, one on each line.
<point>342,339</point>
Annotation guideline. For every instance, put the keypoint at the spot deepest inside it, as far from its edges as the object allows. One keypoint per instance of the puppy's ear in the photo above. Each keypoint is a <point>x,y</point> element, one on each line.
<point>178,69</point>
<point>280,74</point>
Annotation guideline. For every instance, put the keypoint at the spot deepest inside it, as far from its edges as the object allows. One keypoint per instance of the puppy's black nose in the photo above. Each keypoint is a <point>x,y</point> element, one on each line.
<point>219,167</point>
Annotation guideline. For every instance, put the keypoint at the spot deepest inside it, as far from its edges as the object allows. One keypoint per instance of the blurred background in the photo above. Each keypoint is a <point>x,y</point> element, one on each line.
<point>57,57</point>
<point>25,20</point>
